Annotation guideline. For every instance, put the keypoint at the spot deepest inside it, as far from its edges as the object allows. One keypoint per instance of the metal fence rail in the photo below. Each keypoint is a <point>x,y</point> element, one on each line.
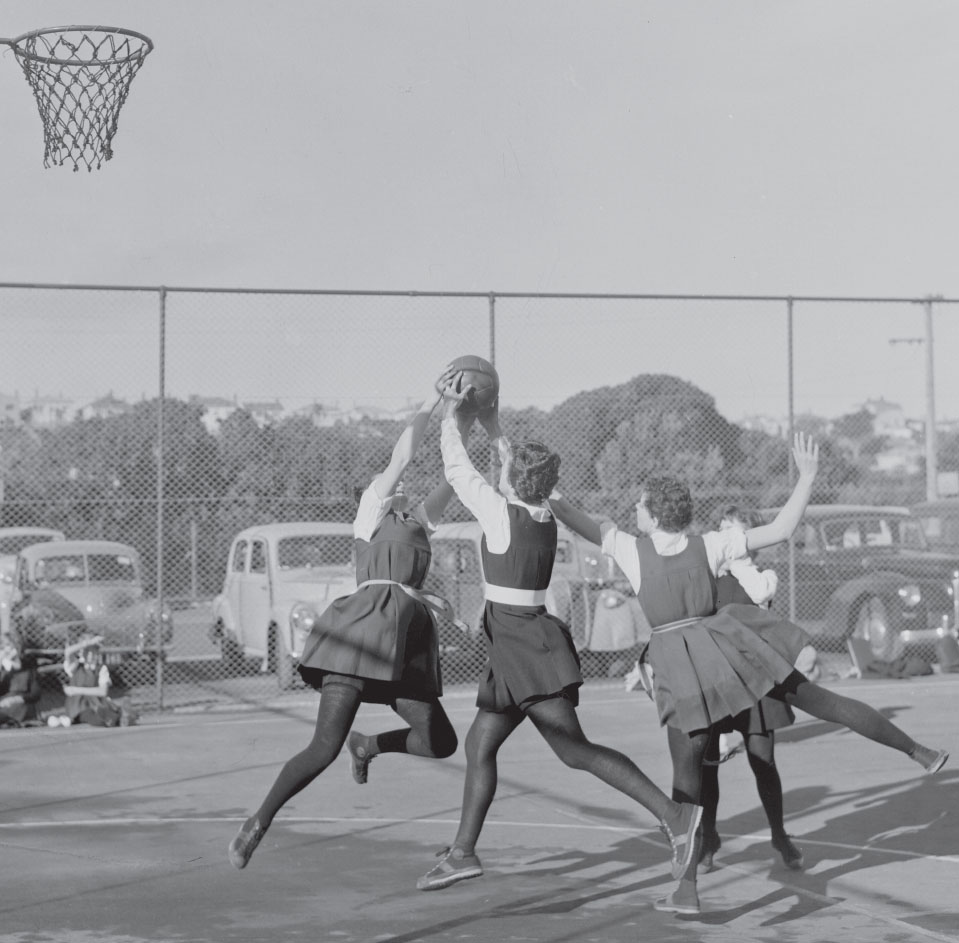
<point>170,419</point>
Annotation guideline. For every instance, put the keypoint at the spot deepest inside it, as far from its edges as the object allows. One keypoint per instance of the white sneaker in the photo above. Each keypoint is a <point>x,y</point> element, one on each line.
<point>65,721</point>
<point>53,721</point>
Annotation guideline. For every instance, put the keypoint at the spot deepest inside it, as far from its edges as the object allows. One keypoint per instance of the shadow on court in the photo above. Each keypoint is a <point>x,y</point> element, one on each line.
<point>120,836</point>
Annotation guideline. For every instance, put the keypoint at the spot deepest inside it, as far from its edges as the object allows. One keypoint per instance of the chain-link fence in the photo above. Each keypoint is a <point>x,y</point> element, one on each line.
<point>178,465</point>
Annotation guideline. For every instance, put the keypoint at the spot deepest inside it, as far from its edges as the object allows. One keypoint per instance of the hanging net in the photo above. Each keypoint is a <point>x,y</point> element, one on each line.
<point>80,76</point>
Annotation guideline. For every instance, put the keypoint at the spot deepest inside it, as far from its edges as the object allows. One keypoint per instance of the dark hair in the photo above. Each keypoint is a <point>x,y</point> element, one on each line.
<point>751,518</point>
<point>358,493</point>
<point>669,501</point>
<point>533,472</point>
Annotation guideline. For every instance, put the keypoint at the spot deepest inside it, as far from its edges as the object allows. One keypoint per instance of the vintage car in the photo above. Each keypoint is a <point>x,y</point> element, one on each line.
<point>940,523</point>
<point>65,589</point>
<point>866,572</point>
<point>587,591</point>
<point>12,541</point>
<point>279,579</point>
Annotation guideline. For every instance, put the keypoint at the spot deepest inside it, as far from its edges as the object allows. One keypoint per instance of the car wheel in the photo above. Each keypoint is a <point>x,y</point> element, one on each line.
<point>281,662</point>
<point>873,625</point>
<point>232,659</point>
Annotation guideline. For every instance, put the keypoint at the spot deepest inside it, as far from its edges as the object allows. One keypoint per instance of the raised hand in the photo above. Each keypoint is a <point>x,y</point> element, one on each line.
<point>806,454</point>
<point>455,389</point>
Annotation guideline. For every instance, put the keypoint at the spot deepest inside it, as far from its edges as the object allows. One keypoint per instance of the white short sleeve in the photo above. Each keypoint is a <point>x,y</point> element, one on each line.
<point>370,513</point>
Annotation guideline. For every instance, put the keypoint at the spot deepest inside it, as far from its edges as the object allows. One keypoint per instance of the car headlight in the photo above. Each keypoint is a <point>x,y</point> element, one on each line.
<point>303,617</point>
<point>910,595</point>
<point>612,599</point>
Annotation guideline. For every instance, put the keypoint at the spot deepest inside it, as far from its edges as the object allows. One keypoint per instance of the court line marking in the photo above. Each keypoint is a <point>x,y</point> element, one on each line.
<point>843,902</point>
<point>749,837</point>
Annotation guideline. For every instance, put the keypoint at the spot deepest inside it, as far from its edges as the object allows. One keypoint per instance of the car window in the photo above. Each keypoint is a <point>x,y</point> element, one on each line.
<point>911,534</point>
<point>878,532</point>
<point>258,557</point>
<point>941,530</point>
<point>239,556</point>
<point>111,568</point>
<point>313,550</point>
<point>65,569</point>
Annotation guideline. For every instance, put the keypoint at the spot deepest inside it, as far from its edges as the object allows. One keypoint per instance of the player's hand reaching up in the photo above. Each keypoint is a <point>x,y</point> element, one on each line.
<point>806,453</point>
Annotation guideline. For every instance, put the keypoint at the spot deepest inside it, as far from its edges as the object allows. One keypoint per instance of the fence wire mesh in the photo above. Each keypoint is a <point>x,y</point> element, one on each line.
<point>178,466</point>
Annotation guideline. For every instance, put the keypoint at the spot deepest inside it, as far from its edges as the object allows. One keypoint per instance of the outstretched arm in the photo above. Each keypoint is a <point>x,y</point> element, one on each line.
<point>806,453</point>
<point>409,441</point>
<point>575,519</point>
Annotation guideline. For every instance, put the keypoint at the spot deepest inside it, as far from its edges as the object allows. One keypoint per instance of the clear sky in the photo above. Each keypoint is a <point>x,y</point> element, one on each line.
<point>740,147</point>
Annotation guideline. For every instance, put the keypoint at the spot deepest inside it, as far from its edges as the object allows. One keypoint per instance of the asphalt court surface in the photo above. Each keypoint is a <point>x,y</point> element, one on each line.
<point>120,836</point>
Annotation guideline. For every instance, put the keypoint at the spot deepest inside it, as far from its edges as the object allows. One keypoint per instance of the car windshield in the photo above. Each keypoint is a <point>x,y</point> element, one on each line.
<point>852,533</point>
<point>74,568</point>
<point>314,550</point>
<point>111,568</point>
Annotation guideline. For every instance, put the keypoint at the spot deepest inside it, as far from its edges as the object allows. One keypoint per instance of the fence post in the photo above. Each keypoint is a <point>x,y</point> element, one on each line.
<point>789,439</point>
<point>932,462</point>
<point>159,495</point>
<point>492,328</point>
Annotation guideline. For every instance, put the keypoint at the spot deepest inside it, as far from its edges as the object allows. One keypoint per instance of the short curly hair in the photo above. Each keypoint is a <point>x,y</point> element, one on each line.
<point>748,517</point>
<point>669,501</point>
<point>533,471</point>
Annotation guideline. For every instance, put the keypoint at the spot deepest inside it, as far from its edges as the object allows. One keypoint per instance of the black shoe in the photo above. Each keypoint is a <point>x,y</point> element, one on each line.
<point>360,757</point>
<point>792,856</point>
<point>243,846</point>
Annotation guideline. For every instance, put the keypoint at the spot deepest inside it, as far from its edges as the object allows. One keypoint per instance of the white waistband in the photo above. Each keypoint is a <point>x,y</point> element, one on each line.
<point>515,597</point>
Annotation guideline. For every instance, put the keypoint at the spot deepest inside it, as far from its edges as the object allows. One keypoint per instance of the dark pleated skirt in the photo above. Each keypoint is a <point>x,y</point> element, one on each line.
<point>714,669</point>
<point>379,634</point>
<point>530,656</point>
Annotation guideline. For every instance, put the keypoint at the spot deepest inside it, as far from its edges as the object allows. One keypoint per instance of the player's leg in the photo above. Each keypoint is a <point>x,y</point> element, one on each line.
<point>429,734</point>
<point>556,719</point>
<point>338,706</point>
<point>761,753</point>
<point>687,751</point>
<point>860,718</point>
<point>709,799</point>
<point>486,735</point>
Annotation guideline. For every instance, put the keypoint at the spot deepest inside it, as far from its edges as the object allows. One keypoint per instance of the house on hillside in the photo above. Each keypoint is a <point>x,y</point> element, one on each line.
<point>266,413</point>
<point>106,407</point>
<point>215,410</point>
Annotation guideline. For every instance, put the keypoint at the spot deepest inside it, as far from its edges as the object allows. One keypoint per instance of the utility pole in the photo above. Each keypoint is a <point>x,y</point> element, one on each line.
<point>932,465</point>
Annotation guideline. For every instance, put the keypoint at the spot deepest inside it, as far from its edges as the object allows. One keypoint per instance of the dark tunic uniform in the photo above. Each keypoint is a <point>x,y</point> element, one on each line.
<point>531,655</point>
<point>769,714</point>
<point>381,633</point>
<point>708,665</point>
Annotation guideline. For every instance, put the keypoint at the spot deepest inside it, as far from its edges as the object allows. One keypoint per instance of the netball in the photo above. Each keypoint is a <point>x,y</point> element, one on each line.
<point>482,376</point>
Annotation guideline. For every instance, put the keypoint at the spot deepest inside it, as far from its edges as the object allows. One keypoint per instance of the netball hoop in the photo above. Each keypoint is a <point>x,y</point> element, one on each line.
<point>80,76</point>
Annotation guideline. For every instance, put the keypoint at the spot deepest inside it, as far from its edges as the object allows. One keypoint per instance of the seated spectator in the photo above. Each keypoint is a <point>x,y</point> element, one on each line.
<point>88,698</point>
<point>19,687</point>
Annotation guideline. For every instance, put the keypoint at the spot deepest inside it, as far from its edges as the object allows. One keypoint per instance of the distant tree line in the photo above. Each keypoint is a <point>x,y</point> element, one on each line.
<point>98,477</point>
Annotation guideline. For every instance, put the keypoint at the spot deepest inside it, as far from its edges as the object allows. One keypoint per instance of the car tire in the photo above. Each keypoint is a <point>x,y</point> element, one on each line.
<point>872,624</point>
<point>232,659</point>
